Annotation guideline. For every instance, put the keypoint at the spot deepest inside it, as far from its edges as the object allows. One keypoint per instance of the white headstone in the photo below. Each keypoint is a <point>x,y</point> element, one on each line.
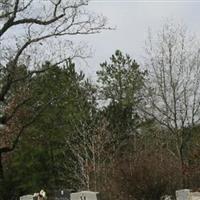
<point>27,197</point>
<point>85,195</point>
<point>195,195</point>
<point>183,194</point>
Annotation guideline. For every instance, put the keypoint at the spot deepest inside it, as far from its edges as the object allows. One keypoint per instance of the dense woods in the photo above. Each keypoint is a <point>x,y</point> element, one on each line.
<point>132,134</point>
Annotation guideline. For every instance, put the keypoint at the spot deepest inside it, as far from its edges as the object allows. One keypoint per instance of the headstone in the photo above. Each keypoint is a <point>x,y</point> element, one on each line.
<point>27,197</point>
<point>183,194</point>
<point>195,195</point>
<point>62,195</point>
<point>85,195</point>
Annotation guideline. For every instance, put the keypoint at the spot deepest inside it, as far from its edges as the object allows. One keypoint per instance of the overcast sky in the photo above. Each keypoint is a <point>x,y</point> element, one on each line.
<point>132,19</point>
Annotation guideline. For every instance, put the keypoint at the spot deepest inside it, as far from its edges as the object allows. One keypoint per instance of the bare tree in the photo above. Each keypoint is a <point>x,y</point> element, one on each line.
<point>90,152</point>
<point>173,90</point>
<point>27,25</point>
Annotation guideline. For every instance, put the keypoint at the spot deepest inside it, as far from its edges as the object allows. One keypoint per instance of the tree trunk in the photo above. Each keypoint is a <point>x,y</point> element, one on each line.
<point>1,168</point>
<point>184,168</point>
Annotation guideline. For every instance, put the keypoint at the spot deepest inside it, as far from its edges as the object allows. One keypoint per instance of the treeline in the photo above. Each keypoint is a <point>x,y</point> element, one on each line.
<point>134,134</point>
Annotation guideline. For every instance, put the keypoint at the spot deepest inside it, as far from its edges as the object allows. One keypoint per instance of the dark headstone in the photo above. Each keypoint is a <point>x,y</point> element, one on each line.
<point>62,195</point>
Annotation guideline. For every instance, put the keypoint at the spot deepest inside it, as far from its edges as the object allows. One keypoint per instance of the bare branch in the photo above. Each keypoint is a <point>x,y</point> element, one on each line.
<point>10,21</point>
<point>26,125</point>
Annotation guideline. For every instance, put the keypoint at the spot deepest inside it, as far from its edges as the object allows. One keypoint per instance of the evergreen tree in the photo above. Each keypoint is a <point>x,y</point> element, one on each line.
<point>44,159</point>
<point>121,81</point>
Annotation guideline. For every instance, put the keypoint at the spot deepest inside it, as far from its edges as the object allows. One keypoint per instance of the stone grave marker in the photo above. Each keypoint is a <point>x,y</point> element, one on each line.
<point>195,195</point>
<point>85,195</point>
<point>61,195</point>
<point>27,197</point>
<point>183,194</point>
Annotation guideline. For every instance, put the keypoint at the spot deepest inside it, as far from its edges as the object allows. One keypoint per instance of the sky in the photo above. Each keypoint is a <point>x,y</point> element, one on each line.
<point>132,20</point>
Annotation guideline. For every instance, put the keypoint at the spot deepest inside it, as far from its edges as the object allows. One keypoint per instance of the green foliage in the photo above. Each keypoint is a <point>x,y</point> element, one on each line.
<point>43,160</point>
<point>77,143</point>
<point>121,82</point>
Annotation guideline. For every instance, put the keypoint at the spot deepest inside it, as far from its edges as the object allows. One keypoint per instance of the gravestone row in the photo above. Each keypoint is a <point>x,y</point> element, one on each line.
<point>66,195</point>
<point>184,194</point>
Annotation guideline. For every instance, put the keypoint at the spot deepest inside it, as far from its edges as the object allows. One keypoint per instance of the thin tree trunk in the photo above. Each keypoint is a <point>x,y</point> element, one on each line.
<point>183,169</point>
<point>1,169</point>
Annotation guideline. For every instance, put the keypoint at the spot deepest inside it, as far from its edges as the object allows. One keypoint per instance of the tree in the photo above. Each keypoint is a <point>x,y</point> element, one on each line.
<point>120,84</point>
<point>173,97</point>
<point>49,161</point>
<point>26,27</point>
<point>89,149</point>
